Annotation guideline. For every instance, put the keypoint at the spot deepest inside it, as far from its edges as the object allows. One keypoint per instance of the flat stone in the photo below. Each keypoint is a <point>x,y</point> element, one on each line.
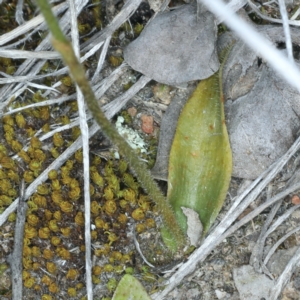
<point>175,47</point>
<point>262,112</point>
<point>252,285</point>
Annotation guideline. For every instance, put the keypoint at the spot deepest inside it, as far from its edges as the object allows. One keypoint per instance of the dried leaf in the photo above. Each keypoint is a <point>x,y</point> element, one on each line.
<point>195,228</point>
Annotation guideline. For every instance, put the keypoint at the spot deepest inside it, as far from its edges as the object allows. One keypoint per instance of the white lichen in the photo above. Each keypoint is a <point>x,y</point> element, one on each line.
<point>132,137</point>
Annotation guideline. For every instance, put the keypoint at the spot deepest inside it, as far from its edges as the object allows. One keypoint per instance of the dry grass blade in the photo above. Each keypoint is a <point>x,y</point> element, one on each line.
<point>16,262</point>
<point>267,18</point>
<point>86,160</point>
<point>285,276</point>
<point>29,54</point>
<point>7,37</point>
<point>277,244</point>
<point>257,253</point>
<point>285,22</point>
<point>128,9</point>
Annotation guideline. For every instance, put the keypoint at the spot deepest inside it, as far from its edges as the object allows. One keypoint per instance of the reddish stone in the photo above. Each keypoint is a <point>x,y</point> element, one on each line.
<point>295,200</point>
<point>147,124</point>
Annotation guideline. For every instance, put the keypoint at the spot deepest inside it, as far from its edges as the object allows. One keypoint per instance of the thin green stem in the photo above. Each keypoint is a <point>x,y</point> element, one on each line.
<point>63,46</point>
<point>51,21</point>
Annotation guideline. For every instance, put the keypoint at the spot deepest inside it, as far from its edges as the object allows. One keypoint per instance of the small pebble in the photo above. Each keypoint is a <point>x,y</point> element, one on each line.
<point>295,200</point>
<point>147,124</point>
<point>132,111</point>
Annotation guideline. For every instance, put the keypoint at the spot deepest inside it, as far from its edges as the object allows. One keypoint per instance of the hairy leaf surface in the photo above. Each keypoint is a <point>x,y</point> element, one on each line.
<point>200,163</point>
<point>130,288</point>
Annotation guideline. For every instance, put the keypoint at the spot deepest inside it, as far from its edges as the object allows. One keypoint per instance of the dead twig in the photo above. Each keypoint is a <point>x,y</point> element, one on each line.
<point>267,18</point>
<point>285,276</point>
<point>15,260</point>
<point>257,252</point>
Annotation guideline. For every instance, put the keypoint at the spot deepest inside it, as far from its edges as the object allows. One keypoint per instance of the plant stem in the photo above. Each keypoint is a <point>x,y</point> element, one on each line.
<point>63,46</point>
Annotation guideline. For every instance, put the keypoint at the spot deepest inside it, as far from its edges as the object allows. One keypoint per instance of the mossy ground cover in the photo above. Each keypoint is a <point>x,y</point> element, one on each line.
<point>53,253</point>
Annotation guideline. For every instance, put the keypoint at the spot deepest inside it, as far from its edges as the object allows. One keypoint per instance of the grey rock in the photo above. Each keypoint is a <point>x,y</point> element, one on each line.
<point>252,285</point>
<point>289,3</point>
<point>280,259</point>
<point>175,48</point>
<point>262,125</point>
<point>262,112</point>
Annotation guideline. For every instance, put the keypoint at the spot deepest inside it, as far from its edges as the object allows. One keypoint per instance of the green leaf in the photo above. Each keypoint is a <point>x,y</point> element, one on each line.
<point>130,288</point>
<point>200,163</point>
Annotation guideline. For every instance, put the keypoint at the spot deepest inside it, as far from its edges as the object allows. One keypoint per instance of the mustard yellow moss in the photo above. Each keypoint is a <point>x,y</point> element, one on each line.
<point>54,229</point>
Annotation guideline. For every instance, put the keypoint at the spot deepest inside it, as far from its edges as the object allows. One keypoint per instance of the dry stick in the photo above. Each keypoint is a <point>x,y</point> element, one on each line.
<point>258,12</point>
<point>281,219</point>
<point>286,28</point>
<point>277,244</point>
<point>28,36</point>
<point>104,85</point>
<point>257,252</point>
<point>59,100</point>
<point>261,208</point>
<point>31,24</point>
<point>43,54</point>
<point>119,102</point>
<point>13,91</point>
<point>296,14</point>
<point>29,54</point>
<point>19,12</point>
<point>42,87</point>
<point>235,5</point>
<point>101,59</point>
<point>285,275</point>
<point>15,79</point>
<point>86,160</point>
<point>274,226</point>
<point>15,259</point>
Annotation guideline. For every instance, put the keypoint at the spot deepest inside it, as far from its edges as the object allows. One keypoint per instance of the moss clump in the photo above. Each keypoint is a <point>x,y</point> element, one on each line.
<point>54,229</point>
